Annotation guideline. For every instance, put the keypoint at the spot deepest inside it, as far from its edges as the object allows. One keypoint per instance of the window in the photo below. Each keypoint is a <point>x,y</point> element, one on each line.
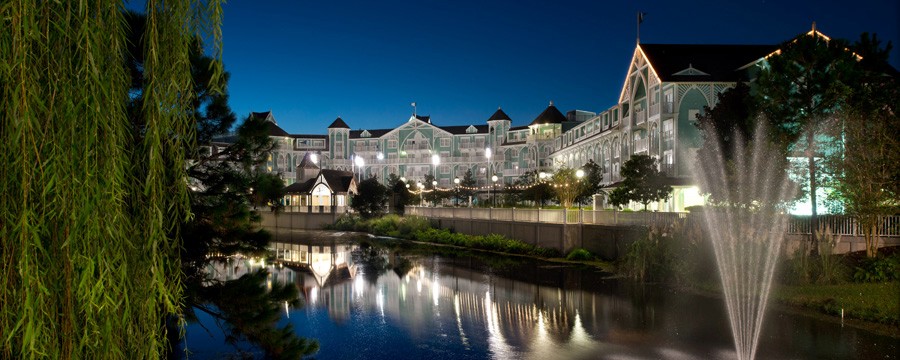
<point>445,142</point>
<point>692,114</point>
<point>392,144</point>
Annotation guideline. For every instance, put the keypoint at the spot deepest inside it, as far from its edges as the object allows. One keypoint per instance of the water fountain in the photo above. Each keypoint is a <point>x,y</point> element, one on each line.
<point>746,225</point>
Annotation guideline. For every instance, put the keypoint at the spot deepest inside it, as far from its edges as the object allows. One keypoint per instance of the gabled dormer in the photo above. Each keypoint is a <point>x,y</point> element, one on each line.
<point>690,71</point>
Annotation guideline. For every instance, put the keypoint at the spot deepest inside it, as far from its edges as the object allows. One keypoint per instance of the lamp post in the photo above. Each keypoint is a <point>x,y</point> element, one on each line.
<point>360,162</point>
<point>578,174</point>
<point>494,191</point>
<point>487,155</point>
<point>434,193</point>
<point>421,194</point>
<point>456,183</point>
<point>542,176</point>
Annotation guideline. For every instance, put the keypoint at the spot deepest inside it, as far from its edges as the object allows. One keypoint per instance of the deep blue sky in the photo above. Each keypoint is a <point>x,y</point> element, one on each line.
<point>366,61</point>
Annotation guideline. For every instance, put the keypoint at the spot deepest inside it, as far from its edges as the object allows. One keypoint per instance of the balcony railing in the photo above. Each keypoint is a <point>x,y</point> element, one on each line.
<point>668,107</point>
<point>640,117</point>
<point>641,145</point>
<point>540,137</point>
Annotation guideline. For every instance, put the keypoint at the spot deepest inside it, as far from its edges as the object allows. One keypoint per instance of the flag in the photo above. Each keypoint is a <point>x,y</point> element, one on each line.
<point>641,16</point>
<point>413,104</point>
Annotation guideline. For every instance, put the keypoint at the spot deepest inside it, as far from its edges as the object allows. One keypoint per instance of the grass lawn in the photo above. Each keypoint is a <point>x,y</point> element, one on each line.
<point>875,302</point>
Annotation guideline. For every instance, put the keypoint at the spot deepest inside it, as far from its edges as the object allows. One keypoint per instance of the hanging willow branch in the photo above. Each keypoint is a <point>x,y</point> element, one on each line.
<point>89,207</point>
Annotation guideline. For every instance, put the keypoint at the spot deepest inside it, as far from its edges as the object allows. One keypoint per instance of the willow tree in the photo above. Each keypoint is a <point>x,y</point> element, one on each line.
<point>90,206</point>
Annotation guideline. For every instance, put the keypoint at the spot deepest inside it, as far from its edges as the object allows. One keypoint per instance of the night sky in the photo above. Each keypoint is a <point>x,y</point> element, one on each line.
<point>366,61</point>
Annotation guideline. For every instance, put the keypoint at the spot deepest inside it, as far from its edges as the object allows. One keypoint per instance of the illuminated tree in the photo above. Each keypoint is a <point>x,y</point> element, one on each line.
<point>642,183</point>
<point>866,167</point>
<point>800,90</point>
<point>565,186</point>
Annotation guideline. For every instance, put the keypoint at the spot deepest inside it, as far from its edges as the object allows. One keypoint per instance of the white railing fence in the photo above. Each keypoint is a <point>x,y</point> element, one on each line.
<point>838,224</point>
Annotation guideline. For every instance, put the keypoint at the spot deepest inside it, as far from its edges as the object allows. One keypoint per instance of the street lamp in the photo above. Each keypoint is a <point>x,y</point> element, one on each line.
<point>360,162</point>
<point>578,174</point>
<point>494,191</point>
<point>434,193</point>
<point>421,194</point>
<point>456,182</point>
<point>487,155</point>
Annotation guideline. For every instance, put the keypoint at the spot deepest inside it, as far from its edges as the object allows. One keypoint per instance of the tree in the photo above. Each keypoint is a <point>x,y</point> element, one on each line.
<point>566,186</point>
<point>224,185</point>
<point>371,198</point>
<point>800,90</point>
<point>536,190</point>
<point>867,165</point>
<point>400,195</point>
<point>468,186</point>
<point>642,183</point>
<point>729,137</point>
<point>268,190</point>
<point>590,183</point>
<point>91,268</point>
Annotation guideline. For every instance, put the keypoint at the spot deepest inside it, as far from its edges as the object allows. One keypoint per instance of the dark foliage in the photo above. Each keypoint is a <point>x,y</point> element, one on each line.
<point>372,198</point>
<point>642,183</point>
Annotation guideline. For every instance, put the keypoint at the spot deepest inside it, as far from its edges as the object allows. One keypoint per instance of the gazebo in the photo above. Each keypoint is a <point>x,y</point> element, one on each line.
<point>319,190</point>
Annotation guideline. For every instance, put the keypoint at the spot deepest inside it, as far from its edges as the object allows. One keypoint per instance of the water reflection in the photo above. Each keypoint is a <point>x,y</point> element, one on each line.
<point>368,301</point>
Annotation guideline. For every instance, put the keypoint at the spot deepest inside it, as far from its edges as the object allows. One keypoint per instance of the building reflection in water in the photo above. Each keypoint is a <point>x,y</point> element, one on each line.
<point>531,311</point>
<point>515,318</point>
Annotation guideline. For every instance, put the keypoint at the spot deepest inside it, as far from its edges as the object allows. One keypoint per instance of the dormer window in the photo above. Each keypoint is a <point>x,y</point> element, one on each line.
<point>471,129</point>
<point>365,134</point>
<point>691,71</point>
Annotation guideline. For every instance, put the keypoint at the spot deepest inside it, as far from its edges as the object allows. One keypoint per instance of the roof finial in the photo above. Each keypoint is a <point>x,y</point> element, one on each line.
<point>551,102</point>
<point>814,27</point>
<point>640,19</point>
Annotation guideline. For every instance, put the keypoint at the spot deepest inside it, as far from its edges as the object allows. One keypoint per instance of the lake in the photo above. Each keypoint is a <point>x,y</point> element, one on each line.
<point>370,298</point>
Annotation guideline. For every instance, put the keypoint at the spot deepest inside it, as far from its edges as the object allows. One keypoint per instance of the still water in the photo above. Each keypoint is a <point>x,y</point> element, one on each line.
<point>364,300</point>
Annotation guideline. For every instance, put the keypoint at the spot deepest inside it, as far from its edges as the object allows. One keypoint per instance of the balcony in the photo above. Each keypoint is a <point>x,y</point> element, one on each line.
<point>641,145</point>
<point>668,107</point>
<point>668,169</point>
<point>654,109</point>
<point>668,139</point>
<point>640,117</point>
<point>514,172</point>
<point>540,137</point>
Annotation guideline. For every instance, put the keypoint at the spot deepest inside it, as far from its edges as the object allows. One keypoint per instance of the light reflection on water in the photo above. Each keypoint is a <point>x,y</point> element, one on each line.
<point>371,303</point>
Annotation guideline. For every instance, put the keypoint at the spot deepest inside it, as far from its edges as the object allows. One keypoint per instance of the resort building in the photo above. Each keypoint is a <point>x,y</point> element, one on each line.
<point>665,87</point>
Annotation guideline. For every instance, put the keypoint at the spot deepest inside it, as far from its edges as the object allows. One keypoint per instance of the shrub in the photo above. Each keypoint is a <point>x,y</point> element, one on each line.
<point>345,223</point>
<point>883,269</point>
<point>580,255</point>
<point>675,253</point>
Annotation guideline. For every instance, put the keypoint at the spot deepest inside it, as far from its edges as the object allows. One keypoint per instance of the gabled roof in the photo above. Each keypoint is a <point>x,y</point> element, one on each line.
<point>307,163</point>
<point>339,181</point>
<point>425,118</point>
<point>499,115</point>
<point>550,115</point>
<point>300,187</point>
<point>720,62</point>
<point>338,124</point>
<point>265,115</point>
<point>272,128</point>
<point>461,129</point>
<point>376,133</point>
